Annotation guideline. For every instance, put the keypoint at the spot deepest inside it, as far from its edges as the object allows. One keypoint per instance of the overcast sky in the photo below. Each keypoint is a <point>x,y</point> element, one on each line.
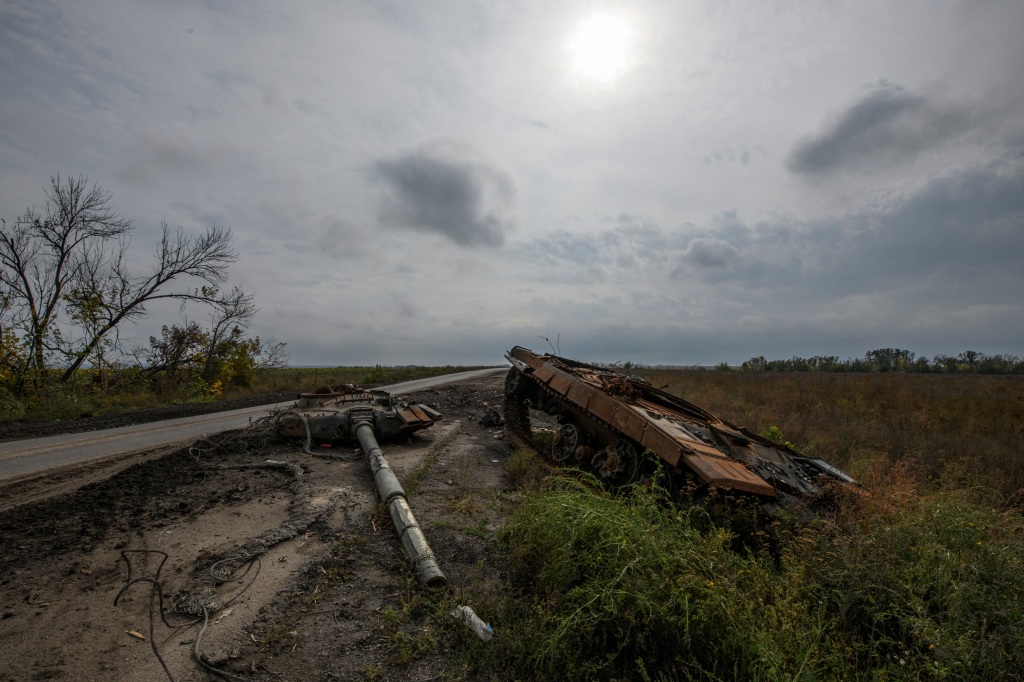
<point>676,182</point>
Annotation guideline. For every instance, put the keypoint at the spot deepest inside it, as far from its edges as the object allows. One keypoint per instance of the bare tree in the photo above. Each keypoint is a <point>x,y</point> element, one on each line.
<point>123,296</point>
<point>72,259</point>
<point>43,253</point>
<point>272,355</point>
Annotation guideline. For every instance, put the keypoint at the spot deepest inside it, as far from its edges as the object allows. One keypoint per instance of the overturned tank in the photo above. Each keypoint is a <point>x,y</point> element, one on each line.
<point>623,429</point>
<point>331,415</point>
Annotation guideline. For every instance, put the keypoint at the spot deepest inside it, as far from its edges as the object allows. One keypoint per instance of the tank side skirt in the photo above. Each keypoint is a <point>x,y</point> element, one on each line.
<point>713,467</point>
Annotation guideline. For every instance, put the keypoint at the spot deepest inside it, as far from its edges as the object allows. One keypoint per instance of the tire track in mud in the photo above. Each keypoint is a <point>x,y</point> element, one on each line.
<point>39,487</point>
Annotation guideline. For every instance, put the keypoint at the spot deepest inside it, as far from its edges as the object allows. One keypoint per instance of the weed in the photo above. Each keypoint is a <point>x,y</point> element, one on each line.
<point>523,466</point>
<point>408,648</point>
<point>904,583</point>
<point>479,529</point>
<point>390,616</point>
<point>466,505</point>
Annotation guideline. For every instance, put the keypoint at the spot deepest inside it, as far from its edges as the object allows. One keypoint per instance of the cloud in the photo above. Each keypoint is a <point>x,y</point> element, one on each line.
<point>889,124</point>
<point>709,252</point>
<point>737,153</point>
<point>340,240</point>
<point>956,240</point>
<point>561,245</point>
<point>447,190</point>
<point>967,225</point>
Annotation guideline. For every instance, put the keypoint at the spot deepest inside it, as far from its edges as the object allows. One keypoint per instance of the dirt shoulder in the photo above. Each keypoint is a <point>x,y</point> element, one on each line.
<point>327,594</point>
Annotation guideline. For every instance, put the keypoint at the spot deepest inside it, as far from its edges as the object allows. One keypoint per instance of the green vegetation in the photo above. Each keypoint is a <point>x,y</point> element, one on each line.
<point>919,578</point>
<point>66,294</point>
<point>898,585</point>
<point>132,389</point>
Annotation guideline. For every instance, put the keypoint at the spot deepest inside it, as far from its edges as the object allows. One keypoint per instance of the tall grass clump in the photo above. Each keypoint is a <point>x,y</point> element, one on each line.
<point>629,587</point>
<point>892,585</point>
<point>919,585</point>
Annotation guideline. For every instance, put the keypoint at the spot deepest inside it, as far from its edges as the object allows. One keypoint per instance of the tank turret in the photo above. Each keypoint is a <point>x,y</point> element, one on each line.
<point>332,414</point>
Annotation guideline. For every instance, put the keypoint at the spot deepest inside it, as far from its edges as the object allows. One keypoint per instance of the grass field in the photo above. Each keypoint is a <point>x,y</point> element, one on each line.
<point>966,428</point>
<point>922,578</point>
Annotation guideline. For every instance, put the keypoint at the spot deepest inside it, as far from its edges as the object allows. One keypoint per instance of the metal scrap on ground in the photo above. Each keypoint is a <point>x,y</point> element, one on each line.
<point>348,413</point>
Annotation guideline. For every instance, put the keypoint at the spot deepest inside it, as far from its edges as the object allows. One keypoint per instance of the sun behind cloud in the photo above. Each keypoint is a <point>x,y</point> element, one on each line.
<point>601,47</point>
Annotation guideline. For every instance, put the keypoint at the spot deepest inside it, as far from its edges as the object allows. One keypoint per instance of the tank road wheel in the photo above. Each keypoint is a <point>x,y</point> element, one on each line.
<point>617,465</point>
<point>655,472</point>
<point>565,442</point>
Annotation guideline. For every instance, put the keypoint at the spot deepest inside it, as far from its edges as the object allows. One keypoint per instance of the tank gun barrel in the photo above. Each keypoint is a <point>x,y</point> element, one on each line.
<point>393,496</point>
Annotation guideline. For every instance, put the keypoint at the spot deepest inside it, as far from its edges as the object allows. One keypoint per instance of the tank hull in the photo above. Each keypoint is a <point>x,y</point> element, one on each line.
<point>620,425</point>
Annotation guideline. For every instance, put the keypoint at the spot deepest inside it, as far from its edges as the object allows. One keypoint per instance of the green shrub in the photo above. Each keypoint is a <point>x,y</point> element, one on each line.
<point>523,466</point>
<point>626,586</point>
<point>920,585</point>
<point>61,402</point>
<point>892,585</point>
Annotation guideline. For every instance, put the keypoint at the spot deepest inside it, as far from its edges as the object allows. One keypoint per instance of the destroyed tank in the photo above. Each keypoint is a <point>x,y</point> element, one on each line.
<point>622,428</point>
<point>331,415</point>
<point>351,414</point>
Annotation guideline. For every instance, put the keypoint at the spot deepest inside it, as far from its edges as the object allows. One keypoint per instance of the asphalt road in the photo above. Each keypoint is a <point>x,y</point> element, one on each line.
<point>37,455</point>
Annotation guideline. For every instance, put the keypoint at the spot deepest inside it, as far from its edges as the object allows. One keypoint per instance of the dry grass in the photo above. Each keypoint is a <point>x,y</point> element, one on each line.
<point>966,429</point>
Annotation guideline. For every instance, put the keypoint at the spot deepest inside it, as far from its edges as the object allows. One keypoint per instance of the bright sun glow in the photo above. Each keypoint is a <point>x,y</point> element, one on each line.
<point>600,49</point>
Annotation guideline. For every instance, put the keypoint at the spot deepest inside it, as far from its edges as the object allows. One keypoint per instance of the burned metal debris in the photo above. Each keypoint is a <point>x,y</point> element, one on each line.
<point>621,428</point>
<point>331,415</point>
<point>349,413</point>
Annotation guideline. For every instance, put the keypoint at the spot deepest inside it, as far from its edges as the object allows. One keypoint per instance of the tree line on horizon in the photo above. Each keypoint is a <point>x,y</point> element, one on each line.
<point>881,360</point>
<point>890,360</point>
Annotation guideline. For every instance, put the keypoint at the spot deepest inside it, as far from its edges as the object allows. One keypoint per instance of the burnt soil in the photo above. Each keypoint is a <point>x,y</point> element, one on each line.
<point>320,587</point>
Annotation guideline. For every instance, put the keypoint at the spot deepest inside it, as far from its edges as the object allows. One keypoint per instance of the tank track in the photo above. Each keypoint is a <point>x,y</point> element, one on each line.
<point>517,411</point>
<point>517,415</point>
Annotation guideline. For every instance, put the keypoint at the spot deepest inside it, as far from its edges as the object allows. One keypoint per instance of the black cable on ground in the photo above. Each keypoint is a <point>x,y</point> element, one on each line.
<point>156,604</point>
<point>201,660</point>
<point>155,594</point>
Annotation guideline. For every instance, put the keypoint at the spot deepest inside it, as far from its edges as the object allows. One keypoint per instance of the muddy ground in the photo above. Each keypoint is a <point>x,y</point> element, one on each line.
<point>314,586</point>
